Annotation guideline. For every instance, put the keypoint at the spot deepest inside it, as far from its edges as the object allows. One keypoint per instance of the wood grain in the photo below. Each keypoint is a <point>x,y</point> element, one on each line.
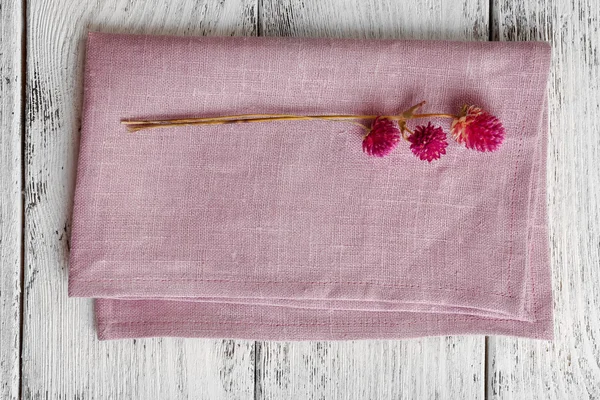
<point>61,356</point>
<point>428,368</point>
<point>10,197</point>
<point>568,368</point>
<point>377,19</point>
<point>63,359</point>
<point>435,368</point>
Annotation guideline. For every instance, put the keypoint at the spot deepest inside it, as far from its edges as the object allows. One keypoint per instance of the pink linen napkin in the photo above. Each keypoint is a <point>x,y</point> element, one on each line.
<point>287,230</point>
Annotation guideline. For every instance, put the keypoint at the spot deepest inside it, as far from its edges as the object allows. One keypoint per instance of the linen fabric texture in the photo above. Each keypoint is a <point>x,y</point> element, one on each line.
<point>287,230</point>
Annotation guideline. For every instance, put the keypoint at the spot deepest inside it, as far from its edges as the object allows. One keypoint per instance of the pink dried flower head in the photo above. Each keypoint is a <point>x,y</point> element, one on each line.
<point>428,142</point>
<point>382,138</point>
<point>477,129</point>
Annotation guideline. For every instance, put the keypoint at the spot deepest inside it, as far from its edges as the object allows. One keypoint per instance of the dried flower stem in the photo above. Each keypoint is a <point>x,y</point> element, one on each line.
<point>476,128</point>
<point>434,116</point>
<point>193,120</point>
<point>138,125</point>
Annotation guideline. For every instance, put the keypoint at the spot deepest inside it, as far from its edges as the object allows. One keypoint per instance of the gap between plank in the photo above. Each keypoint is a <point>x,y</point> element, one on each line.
<point>257,370</point>
<point>491,20</point>
<point>257,345</point>
<point>23,131</point>
<point>259,31</point>
<point>486,351</point>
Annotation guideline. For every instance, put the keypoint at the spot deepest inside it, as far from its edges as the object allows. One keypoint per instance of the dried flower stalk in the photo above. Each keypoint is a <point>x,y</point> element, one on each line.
<point>474,127</point>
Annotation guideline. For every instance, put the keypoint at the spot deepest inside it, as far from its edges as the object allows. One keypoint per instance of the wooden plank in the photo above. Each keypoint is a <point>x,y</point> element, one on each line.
<point>568,367</point>
<point>10,196</point>
<point>427,19</point>
<point>428,368</point>
<point>451,367</point>
<point>61,356</point>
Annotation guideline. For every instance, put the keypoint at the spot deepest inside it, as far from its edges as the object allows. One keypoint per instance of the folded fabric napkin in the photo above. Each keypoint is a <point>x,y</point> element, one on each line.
<point>287,230</point>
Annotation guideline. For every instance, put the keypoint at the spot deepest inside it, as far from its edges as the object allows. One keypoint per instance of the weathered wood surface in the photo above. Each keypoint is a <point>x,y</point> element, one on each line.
<point>382,19</point>
<point>439,368</point>
<point>62,359</point>
<point>10,197</point>
<point>568,368</point>
<point>405,369</point>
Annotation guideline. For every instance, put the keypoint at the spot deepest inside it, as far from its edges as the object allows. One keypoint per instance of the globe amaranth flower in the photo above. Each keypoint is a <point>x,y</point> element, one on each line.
<point>428,142</point>
<point>382,138</point>
<point>477,129</point>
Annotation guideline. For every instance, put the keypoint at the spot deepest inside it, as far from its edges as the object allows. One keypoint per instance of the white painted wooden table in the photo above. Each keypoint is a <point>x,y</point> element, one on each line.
<point>48,346</point>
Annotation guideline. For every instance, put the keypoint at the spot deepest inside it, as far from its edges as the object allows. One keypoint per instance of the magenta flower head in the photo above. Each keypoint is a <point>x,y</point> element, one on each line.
<point>428,142</point>
<point>477,129</point>
<point>382,138</point>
